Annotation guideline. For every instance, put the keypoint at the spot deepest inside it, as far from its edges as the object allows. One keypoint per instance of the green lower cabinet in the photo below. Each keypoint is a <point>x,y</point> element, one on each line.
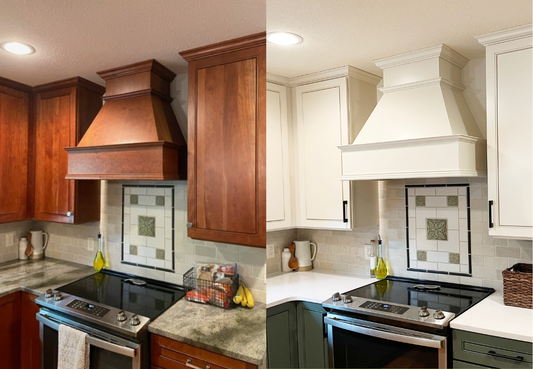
<point>296,336</point>
<point>282,336</point>
<point>474,350</point>
<point>312,339</point>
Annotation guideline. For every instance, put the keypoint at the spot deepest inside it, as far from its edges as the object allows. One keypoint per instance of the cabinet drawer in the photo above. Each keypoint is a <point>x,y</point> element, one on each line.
<point>491,351</point>
<point>170,354</point>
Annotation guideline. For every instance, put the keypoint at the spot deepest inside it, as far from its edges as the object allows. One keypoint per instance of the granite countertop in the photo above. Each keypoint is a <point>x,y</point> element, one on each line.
<point>238,333</point>
<point>312,286</point>
<point>492,317</point>
<point>36,276</point>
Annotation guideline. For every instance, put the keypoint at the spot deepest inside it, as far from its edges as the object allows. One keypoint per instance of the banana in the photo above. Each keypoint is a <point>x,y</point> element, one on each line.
<point>249,298</point>
<point>238,296</point>
<point>244,300</point>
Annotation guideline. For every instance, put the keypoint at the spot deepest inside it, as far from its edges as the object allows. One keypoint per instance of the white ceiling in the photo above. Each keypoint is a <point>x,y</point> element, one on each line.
<point>355,32</point>
<point>81,37</point>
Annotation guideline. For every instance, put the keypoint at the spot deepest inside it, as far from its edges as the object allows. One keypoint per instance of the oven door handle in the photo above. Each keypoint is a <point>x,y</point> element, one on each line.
<point>108,346</point>
<point>392,333</point>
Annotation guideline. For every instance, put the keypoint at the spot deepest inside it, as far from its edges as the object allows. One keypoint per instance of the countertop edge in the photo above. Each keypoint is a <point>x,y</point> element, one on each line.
<point>294,299</point>
<point>205,346</point>
<point>489,332</point>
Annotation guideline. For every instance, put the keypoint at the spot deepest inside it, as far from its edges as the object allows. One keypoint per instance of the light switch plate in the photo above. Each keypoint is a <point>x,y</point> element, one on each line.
<point>368,251</point>
<point>90,243</point>
<point>9,239</point>
<point>270,251</point>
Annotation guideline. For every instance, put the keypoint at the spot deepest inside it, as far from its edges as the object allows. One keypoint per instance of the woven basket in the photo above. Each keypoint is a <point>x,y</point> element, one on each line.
<point>517,286</point>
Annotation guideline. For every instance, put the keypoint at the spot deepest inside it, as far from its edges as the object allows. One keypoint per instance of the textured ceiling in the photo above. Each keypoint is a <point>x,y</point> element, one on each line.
<point>355,32</point>
<point>81,37</point>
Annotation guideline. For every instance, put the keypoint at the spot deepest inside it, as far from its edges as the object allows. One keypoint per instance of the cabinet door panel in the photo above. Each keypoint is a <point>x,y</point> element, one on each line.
<point>55,119</point>
<point>14,121</point>
<point>515,153</point>
<point>282,336</point>
<point>31,356</point>
<point>312,344</point>
<point>10,331</point>
<point>278,180</point>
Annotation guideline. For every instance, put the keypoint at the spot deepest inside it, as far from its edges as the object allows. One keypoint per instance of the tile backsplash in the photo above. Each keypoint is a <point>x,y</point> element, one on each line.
<point>344,250</point>
<point>69,242</point>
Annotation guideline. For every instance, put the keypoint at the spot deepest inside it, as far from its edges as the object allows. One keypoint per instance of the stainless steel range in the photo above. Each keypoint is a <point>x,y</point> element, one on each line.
<point>113,309</point>
<point>396,323</point>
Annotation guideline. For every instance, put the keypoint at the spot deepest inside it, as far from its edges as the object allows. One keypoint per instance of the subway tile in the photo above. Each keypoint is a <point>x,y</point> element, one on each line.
<point>508,252</point>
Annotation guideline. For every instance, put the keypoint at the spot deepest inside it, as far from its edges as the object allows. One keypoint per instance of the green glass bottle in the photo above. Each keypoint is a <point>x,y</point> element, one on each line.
<point>381,267</point>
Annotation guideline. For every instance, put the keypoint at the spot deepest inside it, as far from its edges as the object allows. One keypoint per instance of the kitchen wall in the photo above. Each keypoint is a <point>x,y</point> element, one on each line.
<point>17,229</point>
<point>69,242</point>
<point>344,250</point>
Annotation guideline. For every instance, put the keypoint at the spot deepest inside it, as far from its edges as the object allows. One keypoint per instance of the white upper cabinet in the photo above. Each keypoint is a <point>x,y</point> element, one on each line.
<point>329,113</point>
<point>278,179</point>
<point>509,132</point>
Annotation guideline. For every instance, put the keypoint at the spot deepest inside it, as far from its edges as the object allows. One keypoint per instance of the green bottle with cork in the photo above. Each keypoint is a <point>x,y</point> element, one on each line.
<point>381,267</point>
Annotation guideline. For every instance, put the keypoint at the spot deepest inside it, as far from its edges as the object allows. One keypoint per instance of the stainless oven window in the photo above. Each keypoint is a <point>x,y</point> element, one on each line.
<point>372,345</point>
<point>106,351</point>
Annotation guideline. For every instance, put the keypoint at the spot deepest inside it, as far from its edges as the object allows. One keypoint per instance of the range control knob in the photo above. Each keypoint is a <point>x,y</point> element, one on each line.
<point>438,314</point>
<point>135,320</point>
<point>336,296</point>
<point>58,296</point>
<point>48,294</point>
<point>121,317</point>
<point>423,312</point>
<point>347,299</point>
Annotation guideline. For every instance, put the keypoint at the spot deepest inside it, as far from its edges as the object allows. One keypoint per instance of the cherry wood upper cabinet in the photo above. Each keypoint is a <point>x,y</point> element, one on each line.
<point>63,112</point>
<point>14,128</point>
<point>227,141</point>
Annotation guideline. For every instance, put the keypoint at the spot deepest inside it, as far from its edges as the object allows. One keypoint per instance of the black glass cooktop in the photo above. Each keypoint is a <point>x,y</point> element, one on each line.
<point>454,298</point>
<point>110,288</point>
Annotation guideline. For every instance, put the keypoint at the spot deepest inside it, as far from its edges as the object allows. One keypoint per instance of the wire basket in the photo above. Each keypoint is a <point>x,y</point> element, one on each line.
<point>210,292</point>
<point>517,286</point>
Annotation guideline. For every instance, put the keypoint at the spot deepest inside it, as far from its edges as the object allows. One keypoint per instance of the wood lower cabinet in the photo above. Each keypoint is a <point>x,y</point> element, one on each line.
<point>29,333</point>
<point>10,331</point>
<point>227,142</point>
<point>14,143</point>
<point>170,354</point>
<point>63,112</point>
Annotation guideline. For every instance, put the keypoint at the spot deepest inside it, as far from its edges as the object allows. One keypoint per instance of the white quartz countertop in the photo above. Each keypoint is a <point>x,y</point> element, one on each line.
<point>492,317</point>
<point>312,286</point>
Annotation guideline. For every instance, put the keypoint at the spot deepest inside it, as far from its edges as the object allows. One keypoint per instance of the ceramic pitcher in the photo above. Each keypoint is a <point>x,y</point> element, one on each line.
<point>39,241</point>
<point>303,254</point>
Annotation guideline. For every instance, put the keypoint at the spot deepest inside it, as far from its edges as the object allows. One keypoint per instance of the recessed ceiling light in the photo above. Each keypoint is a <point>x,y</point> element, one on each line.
<point>17,48</point>
<point>284,38</point>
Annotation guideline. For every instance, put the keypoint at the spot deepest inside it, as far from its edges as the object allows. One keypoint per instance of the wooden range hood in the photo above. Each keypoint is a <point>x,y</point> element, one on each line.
<point>136,135</point>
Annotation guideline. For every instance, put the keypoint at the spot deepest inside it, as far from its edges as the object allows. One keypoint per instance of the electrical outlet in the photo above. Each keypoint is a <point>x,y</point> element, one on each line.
<point>368,252</point>
<point>90,243</point>
<point>270,251</point>
<point>9,239</point>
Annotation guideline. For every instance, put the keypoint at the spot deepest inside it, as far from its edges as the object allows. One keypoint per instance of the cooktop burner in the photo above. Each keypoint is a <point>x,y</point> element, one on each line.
<point>121,292</point>
<point>426,303</point>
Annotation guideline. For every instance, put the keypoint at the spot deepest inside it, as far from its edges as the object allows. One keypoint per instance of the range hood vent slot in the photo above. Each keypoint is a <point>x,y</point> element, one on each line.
<point>422,126</point>
<point>136,135</point>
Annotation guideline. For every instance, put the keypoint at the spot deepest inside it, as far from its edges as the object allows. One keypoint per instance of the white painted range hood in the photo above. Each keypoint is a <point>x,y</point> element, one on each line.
<point>422,127</point>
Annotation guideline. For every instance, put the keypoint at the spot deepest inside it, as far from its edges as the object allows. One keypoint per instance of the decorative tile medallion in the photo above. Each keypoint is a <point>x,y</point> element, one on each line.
<point>437,229</point>
<point>454,258</point>
<point>146,226</point>
<point>453,200</point>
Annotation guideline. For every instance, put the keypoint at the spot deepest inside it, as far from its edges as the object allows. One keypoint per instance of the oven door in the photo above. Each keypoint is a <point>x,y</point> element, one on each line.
<point>354,343</point>
<point>106,351</point>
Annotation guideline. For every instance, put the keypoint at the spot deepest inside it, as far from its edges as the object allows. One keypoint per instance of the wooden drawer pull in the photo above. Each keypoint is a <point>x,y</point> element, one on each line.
<point>500,356</point>
<point>189,365</point>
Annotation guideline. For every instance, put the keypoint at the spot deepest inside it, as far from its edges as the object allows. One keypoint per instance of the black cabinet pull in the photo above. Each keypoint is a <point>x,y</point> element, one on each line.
<point>494,354</point>
<point>344,206</point>
<point>491,224</point>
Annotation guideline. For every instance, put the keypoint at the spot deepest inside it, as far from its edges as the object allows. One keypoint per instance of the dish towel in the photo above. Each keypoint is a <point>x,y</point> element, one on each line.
<point>73,351</point>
